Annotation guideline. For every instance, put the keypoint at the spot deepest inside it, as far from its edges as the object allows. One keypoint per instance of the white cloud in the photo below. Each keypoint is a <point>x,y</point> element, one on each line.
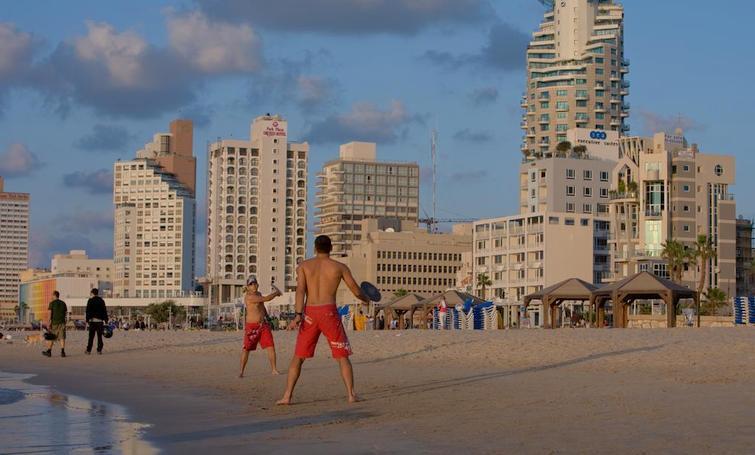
<point>121,53</point>
<point>18,161</point>
<point>365,122</point>
<point>15,49</point>
<point>214,47</point>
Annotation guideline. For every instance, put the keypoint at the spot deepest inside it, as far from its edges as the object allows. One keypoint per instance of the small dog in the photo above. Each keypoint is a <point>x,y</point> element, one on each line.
<point>34,339</point>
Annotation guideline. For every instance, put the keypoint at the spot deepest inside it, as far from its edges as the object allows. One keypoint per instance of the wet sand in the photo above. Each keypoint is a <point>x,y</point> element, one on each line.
<point>523,391</point>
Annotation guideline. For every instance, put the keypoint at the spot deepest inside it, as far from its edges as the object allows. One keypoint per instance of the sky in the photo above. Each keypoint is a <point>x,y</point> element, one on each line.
<point>86,82</point>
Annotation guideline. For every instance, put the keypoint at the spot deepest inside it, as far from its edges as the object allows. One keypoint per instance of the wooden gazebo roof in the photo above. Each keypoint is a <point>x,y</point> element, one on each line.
<point>571,289</point>
<point>403,303</point>
<point>645,283</point>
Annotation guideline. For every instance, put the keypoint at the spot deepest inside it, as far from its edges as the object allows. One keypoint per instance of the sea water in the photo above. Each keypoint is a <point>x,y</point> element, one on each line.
<point>39,420</point>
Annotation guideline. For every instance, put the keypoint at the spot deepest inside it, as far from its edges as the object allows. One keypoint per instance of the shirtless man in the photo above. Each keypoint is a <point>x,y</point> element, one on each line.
<point>317,281</point>
<point>257,330</point>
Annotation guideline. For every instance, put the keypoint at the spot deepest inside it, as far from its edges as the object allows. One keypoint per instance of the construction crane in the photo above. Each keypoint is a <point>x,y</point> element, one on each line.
<point>432,221</point>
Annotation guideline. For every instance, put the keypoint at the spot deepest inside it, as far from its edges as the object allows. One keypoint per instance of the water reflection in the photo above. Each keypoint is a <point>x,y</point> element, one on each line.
<point>36,419</point>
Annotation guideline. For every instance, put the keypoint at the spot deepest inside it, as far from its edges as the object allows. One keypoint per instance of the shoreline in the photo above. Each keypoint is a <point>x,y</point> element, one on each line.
<point>427,392</point>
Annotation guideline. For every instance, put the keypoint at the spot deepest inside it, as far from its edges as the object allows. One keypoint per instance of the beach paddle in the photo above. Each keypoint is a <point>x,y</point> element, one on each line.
<point>372,292</point>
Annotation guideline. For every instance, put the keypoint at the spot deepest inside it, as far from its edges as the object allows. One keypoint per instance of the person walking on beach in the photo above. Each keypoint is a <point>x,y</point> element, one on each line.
<point>57,325</point>
<point>96,317</point>
<point>317,281</point>
<point>257,329</point>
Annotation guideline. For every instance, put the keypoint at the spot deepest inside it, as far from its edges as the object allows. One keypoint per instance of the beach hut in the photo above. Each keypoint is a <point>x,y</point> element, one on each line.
<point>553,296</point>
<point>398,307</point>
<point>452,298</point>
<point>643,285</point>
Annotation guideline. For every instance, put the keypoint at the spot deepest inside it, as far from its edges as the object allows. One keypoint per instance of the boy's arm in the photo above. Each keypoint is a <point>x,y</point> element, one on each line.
<point>301,292</point>
<point>353,286</point>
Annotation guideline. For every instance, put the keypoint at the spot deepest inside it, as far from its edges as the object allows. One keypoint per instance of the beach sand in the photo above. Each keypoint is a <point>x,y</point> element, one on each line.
<point>518,391</point>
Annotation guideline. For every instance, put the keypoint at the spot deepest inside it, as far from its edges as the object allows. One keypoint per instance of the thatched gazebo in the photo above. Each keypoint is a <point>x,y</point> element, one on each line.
<point>643,285</point>
<point>452,298</point>
<point>572,289</point>
<point>397,307</point>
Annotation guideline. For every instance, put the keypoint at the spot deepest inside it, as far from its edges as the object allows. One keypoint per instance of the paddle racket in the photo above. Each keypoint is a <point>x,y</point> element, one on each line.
<point>372,292</point>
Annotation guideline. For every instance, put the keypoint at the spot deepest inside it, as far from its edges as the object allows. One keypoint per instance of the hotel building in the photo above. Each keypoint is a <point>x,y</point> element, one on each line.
<point>396,254</point>
<point>256,209</point>
<point>667,189</point>
<point>155,212</point>
<point>14,243</point>
<point>575,74</point>
<point>745,266</point>
<point>77,261</point>
<point>357,186</point>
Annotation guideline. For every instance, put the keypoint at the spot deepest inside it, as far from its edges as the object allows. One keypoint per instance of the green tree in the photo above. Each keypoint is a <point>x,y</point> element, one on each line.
<point>675,256</point>
<point>161,312</point>
<point>632,186</point>
<point>563,147</point>
<point>400,293</point>
<point>704,252</point>
<point>621,187</point>
<point>580,150</point>
<point>715,298</point>
<point>483,281</point>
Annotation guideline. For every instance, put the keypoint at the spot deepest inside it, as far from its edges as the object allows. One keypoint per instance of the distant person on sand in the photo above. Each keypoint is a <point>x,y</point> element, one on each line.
<point>317,281</point>
<point>57,325</point>
<point>257,329</point>
<point>96,317</point>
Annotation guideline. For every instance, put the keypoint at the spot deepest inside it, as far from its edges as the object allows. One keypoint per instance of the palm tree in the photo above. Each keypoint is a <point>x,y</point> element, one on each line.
<point>714,298</point>
<point>563,147</point>
<point>483,281</point>
<point>580,150</point>
<point>675,255</point>
<point>704,252</point>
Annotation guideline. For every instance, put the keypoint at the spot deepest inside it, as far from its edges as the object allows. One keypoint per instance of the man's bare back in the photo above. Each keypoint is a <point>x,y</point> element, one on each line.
<point>320,277</point>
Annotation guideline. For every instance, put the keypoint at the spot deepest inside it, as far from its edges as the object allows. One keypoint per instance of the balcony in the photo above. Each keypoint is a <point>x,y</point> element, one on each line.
<point>625,62</point>
<point>615,195</point>
<point>653,212</point>
<point>626,106</point>
<point>625,127</point>
<point>625,84</point>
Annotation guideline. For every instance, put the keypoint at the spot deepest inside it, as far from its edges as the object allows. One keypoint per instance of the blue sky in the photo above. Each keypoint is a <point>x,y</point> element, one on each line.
<point>83,83</point>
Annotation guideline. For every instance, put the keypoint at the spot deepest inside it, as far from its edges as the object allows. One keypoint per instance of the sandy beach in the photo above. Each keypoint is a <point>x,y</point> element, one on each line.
<point>523,391</point>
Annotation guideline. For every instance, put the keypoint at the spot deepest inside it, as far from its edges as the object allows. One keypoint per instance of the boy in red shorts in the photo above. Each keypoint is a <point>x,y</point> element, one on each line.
<point>317,281</point>
<point>257,330</point>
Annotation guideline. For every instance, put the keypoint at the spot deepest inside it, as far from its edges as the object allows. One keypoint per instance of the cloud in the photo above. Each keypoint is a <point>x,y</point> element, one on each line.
<point>354,17</point>
<point>366,122</point>
<point>120,74</point>
<point>469,175</point>
<point>212,47</point>
<point>291,81</point>
<point>200,114</point>
<point>505,49</point>
<point>43,245</point>
<point>107,138</point>
<point>16,52</point>
<point>467,135</point>
<point>656,123</point>
<point>18,161</point>
<point>95,182</point>
<point>483,96</point>
<point>86,221</point>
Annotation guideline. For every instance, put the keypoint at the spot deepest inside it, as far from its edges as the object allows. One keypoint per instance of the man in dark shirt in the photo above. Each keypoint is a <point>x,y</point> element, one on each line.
<point>57,325</point>
<point>96,317</point>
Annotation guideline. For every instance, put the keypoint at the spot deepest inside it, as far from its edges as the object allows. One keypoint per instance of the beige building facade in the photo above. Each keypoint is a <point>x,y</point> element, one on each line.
<point>576,74</point>
<point>397,255</point>
<point>155,213</point>
<point>14,242</point>
<point>357,186</point>
<point>77,261</point>
<point>525,253</point>
<point>667,189</point>
<point>256,209</point>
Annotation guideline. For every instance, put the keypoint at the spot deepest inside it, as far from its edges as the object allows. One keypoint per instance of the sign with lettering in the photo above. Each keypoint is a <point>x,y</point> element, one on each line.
<point>274,129</point>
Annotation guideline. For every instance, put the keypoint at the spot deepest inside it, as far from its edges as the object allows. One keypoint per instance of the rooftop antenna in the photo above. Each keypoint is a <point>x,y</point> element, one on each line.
<point>434,156</point>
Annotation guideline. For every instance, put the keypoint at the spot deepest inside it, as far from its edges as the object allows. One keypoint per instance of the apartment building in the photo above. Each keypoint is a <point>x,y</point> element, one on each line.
<point>77,261</point>
<point>14,243</point>
<point>155,213</point>
<point>745,266</point>
<point>667,189</point>
<point>357,186</point>
<point>256,209</point>
<point>576,74</point>
<point>396,254</point>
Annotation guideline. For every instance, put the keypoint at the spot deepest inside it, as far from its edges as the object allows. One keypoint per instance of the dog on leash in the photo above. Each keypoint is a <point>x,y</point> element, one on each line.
<point>34,339</point>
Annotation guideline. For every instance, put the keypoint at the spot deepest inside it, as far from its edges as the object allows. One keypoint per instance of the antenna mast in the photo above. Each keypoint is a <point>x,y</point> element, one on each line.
<point>434,155</point>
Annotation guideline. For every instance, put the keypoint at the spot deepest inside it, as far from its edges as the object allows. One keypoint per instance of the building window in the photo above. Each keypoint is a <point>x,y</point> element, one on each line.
<point>587,174</point>
<point>570,191</point>
<point>584,222</point>
<point>587,208</point>
<point>569,221</point>
<point>604,192</point>
<point>570,174</point>
<point>685,168</point>
<point>685,188</point>
<point>686,228</point>
<point>719,170</point>
<point>587,191</point>
<point>570,207</point>
<point>603,176</point>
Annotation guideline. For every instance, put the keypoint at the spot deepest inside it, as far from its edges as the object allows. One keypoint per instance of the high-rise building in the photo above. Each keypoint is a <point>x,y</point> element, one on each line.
<point>397,255</point>
<point>745,266</point>
<point>357,186</point>
<point>14,242</point>
<point>256,209</point>
<point>665,189</point>
<point>575,74</point>
<point>155,213</point>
